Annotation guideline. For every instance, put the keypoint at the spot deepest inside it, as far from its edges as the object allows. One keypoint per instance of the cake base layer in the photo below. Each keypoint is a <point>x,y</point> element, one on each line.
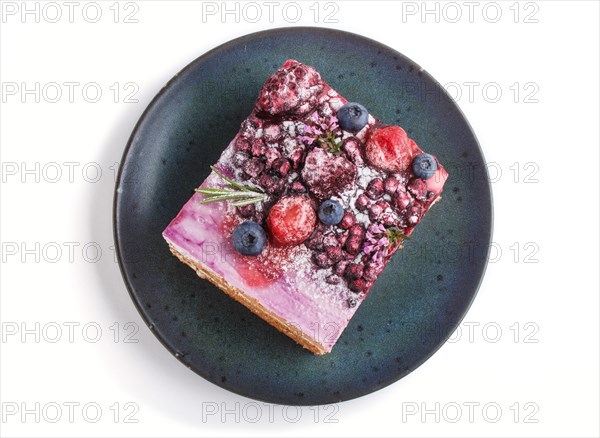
<point>251,303</point>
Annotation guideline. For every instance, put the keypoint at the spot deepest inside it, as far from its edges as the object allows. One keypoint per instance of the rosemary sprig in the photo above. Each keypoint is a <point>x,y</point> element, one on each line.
<point>238,193</point>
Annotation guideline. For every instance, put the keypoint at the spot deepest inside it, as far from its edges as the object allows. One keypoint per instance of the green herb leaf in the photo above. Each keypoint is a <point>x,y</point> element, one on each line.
<point>239,194</point>
<point>329,143</point>
<point>395,236</point>
<point>248,201</point>
<point>233,183</point>
<point>211,191</point>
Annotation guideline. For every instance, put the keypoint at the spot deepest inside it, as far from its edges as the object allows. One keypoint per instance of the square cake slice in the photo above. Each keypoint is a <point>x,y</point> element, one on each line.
<point>305,207</point>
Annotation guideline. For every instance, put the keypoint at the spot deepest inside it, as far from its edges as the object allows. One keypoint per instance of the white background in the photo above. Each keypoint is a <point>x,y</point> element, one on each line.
<point>541,370</point>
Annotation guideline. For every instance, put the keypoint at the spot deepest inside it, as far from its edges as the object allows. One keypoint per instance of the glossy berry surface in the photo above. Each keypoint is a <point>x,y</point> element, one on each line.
<point>352,117</point>
<point>249,238</point>
<point>291,220</point>
<point>331,212</point>
<point>424,166</point>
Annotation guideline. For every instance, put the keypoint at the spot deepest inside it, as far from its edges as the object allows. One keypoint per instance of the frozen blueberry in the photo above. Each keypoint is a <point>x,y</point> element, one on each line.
<point>424,166</point>
<point>352,117</point>
<point>331,212</point>
<point>249,238</point>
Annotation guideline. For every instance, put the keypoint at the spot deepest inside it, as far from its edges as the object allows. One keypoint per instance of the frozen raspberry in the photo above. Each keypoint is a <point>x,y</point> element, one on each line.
<point>370,274</point>
<point>259,148</point>
<point>375,188</point>
<point>387,220</point>
<point>340,267</point>
<point>246,211</point>
<point>325,110</point>
<point>361,202</point>
<point>354,244</point>
<point>357,230</point>
<point>375,211</point>
<point>413,214</point>
<point>333,279</point>
<point>334,253</point>
<point>271,184</point>
<point>242,144</point>
<point>353,271</point>
<point>271,155</point>
<point>250,126</point>
<point>342,238</point>
<point>358,285</point>
<point>240,158</point>
<point>298,187</point>
<point>279,188</point>
<point>401,200</point>
<point>281,166</point>
<point>289,128</point>
<point>330,240</point>
<point>347,221</point>
<point>271,133</point>
<point>322,261</point>
<point>390,185</point>
<point>253,167</point>
<point>383,204</point>
<point>315,241</point>
<point>293,88</point>
<point>352,148</point>
<point>388,149</point>
<point>297,159</point>
<point>326,174</point>
<point>418,188</point>
<point>291,220</point>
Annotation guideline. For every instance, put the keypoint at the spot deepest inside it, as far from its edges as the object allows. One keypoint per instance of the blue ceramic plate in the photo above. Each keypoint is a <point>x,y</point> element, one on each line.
<point>417,302</point>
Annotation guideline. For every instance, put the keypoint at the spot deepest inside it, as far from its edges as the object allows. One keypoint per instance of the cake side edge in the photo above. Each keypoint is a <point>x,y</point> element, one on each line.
<point>249,302</point>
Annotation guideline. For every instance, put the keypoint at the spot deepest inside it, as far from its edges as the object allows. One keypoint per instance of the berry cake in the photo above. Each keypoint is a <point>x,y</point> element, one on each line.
<point>305,207</point>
